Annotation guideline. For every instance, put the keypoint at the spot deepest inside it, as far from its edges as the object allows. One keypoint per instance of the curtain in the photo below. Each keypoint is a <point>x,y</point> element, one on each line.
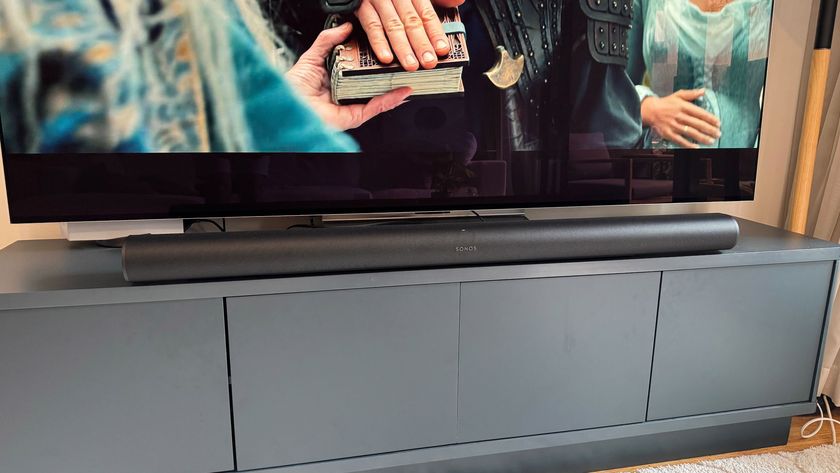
<point>824,223</point>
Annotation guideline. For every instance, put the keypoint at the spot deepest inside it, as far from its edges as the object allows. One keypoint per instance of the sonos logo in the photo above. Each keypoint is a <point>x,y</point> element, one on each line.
<point>466,249</point>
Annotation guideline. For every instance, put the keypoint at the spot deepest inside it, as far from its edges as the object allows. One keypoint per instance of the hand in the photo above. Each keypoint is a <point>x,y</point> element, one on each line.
<point>309,77</point>
<point>679,121</point>
<point>411,29</point>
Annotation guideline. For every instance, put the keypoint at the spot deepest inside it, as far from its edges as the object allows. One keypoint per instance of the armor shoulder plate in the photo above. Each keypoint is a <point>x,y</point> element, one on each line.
<point>608,29</point>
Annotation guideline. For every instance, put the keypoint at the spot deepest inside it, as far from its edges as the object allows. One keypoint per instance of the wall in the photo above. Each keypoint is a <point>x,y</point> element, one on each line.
<point>790,50</point>
<point>834,71</point>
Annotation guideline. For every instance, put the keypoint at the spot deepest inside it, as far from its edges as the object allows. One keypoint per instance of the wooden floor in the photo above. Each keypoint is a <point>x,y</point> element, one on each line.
<point>795,443</point>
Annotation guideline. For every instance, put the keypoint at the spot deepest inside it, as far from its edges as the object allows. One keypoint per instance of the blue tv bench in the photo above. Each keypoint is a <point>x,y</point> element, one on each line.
<point>551,367</point>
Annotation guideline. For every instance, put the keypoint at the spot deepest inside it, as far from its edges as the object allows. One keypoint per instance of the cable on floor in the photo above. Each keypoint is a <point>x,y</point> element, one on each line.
<point>825,417</point>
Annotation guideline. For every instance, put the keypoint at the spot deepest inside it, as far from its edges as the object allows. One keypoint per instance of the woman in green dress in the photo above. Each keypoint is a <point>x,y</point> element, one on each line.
<point>699,67</point>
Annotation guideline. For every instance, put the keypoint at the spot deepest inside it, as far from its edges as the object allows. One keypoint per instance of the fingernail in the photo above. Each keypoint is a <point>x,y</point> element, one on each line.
<point>429,56</point>
<point>441,44</point>
<point>410,60</point>
<point>710,141</point>
<point>386,55</point>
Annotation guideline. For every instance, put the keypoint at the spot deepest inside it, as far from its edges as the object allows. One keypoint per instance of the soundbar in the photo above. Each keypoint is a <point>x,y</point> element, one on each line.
<point>160,258</point>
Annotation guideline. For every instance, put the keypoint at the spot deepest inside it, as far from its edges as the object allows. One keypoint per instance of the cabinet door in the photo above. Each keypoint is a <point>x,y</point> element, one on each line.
<point>119,388</point>
<point>737,338</point>
<point>552,355</point>
<point>329,375</point>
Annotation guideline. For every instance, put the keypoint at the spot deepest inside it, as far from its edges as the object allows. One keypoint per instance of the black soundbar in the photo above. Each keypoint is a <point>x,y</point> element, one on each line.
<point>162,258</point>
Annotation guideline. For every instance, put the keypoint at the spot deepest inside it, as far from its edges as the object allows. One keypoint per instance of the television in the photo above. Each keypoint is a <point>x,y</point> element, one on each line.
<point>176,109</point>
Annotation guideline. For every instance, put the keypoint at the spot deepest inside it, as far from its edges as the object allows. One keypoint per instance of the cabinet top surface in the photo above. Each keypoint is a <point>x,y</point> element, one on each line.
<point>52,273</point>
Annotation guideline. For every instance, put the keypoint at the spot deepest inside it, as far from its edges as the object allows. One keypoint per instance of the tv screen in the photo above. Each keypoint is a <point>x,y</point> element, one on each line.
<point>143,109</point>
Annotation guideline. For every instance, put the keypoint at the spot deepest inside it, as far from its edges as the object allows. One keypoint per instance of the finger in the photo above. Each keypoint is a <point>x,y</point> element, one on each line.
<point>415,30</point>
<point>386,102</point>
<point>449,3</point>
<point>678,140</point>
<point>375,31</point>
<point>705,128</point>
<point>395,30</point>
<point>690,95</point>
<point>433,27</point>
<point>694,134</point>
<point>362,113</point>
<point>326,42</point>
<point>701,114</point>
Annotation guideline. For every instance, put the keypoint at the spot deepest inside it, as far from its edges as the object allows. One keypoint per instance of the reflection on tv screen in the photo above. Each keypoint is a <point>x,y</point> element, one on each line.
<point>162,108</point>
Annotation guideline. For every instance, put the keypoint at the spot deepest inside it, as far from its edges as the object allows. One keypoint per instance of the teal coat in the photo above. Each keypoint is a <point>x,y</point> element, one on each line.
<point>78,85</point>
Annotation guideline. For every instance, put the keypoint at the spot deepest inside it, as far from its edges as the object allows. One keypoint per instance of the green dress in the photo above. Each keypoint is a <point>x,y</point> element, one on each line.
<point>676,46</point>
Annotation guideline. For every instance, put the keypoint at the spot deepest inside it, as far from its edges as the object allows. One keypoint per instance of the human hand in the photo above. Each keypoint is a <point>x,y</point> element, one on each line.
<point>679,121</point>
<point>411,29</point>
<point>310,78</point>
